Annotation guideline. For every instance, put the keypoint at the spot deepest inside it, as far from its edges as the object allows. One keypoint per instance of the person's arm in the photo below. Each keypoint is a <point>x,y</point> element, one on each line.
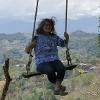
<point>61,42</point>
<point>30,46</point>
<point>66,38</point>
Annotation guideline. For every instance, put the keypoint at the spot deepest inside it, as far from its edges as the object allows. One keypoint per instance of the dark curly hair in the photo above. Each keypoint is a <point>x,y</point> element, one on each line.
<point>40,30</point>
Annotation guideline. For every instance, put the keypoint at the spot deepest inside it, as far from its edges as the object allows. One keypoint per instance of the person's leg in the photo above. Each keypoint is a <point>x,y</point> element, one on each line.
<point>47,69</point>
<point>60,69</point>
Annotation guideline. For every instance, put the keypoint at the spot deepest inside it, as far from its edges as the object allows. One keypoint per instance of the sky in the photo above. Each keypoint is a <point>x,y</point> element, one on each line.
<point>18,15</point>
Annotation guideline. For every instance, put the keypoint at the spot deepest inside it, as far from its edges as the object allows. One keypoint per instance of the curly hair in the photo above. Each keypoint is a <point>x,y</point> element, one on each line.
<point>40,30</point>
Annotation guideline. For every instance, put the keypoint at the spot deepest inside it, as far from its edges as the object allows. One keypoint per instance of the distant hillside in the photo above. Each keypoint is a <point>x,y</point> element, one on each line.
<point>13,45</point>
<point>83,83</point>
<point>83,41</point>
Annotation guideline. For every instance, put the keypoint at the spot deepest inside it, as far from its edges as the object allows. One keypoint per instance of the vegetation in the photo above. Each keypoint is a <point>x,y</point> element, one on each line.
<point>83,49</point>
<point>98,40</point>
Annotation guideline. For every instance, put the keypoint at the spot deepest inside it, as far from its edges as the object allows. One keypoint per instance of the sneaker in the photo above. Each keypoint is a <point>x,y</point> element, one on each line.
<point>63,88</point>
<point>60,92</point>
<point>57,91</point>
<point>63,93</point>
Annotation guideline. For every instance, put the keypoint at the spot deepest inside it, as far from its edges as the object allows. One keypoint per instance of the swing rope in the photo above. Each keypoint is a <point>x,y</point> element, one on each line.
<point>30,55</point>
<point>66,11</point>
<point>69,65</point>
<point>35,19</point>
<point>66,24</point>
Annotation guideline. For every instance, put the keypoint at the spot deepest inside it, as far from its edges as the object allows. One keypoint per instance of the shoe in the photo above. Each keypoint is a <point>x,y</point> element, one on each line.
<point>57,91</point>
<point>60,92</point>
<point>63,93</point>
<point>63,88</point>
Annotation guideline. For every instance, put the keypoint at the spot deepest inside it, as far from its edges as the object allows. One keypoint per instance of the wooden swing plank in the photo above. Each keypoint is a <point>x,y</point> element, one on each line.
<point>70,67</point>
<point>25,75</point>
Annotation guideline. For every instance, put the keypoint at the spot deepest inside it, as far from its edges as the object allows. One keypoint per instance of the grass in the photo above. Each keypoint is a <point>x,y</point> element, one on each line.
<point>80,86</point>
<point>84,87</point>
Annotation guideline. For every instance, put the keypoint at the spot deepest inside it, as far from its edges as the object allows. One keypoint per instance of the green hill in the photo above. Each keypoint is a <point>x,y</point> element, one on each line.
<point>80,43</point>
<point>80,85</point>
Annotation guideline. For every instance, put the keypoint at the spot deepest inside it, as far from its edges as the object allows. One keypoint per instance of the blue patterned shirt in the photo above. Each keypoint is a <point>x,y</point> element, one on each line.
<point>46,48</point>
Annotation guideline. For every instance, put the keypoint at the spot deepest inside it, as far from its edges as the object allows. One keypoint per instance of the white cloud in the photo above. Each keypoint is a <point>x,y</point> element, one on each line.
<point>24,9</point>
<point>83,8</point>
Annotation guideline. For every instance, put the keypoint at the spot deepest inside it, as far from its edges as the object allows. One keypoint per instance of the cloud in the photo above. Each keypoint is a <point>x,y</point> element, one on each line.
<point>83,8</point>
<point>25,9</point>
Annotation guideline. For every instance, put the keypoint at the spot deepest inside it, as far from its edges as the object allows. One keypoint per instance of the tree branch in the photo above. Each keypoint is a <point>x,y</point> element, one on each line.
<point>7,77</point>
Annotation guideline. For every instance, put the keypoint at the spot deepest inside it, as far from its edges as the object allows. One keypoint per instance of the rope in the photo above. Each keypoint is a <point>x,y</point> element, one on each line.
<point>35,19</point>
<point>66,15</point>
<point>30,56</point>
<point>67,49</point>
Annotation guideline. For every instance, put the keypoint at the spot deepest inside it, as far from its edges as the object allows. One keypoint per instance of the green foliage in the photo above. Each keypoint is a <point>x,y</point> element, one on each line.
<point>98,46</point>
<point>82,49</point>
<point>1,72</point>
<point>98,38</point>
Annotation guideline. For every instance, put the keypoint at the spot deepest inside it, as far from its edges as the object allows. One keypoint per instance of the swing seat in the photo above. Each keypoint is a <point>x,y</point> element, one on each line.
<point>70,67</point>
<point>30,74</point>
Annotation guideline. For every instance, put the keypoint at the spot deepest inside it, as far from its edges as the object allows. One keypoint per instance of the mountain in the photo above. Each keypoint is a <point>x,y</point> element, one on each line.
<point>12,45</point>
<point>82,83</point>
<point>88,24</point>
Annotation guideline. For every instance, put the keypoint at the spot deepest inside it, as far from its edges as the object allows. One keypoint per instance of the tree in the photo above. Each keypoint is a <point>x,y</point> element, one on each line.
<point>99,40</point>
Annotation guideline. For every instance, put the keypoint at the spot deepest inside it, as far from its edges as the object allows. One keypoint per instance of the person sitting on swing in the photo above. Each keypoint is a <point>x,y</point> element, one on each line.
<point>46,53</point>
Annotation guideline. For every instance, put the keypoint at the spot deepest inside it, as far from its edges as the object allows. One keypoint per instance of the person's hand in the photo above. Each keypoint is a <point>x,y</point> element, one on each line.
<point>66,36</point>
<point>28,50</point>
<point>33,43</point>
<point>30,46</point>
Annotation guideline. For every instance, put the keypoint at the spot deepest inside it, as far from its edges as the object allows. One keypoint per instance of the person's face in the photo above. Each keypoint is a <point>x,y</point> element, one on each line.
<point>47,28</point>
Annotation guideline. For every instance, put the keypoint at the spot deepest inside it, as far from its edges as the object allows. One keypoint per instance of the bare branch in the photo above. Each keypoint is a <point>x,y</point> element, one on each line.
<point>7,77</point>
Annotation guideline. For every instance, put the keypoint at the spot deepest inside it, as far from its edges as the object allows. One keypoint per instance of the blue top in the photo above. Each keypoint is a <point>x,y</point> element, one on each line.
<point>46,48</point>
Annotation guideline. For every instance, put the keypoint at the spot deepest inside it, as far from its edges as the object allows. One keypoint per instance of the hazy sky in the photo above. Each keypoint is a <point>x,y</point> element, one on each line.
<point>23,11</point>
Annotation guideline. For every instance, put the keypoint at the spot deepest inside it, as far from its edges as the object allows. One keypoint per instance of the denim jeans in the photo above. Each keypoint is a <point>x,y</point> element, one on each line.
<point>54,70</point>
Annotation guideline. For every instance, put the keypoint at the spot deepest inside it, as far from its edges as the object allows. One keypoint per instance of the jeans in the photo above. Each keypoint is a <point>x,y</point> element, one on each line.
<point>54,70</point>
